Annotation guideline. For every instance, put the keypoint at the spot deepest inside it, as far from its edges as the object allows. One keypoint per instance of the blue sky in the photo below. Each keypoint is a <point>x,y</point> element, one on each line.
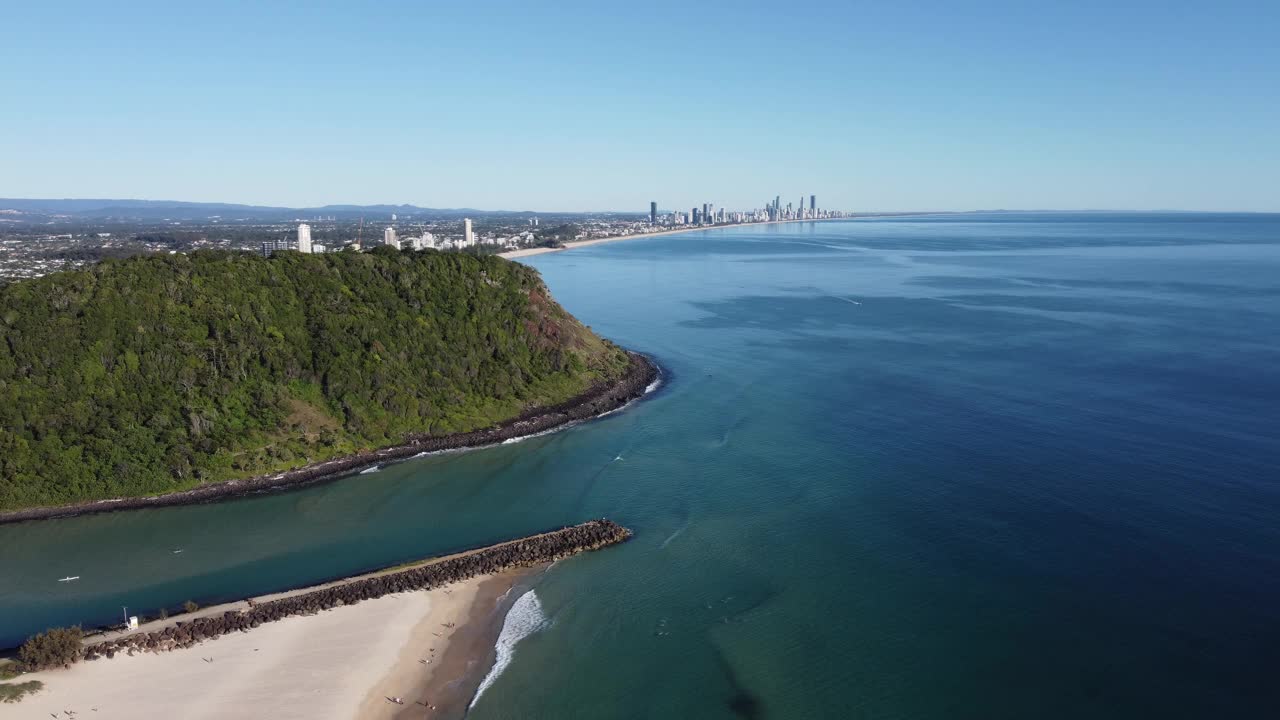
<point>605,106</point>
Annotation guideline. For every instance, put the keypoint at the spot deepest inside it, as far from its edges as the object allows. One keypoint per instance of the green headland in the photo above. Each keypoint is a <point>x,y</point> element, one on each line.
<point>162,373</point>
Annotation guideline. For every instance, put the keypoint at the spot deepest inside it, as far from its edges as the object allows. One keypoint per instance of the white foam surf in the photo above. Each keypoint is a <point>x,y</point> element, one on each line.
<point>548,431</point>
<point>373,469</point>
<point>524,619</point>
<point>653,385</point>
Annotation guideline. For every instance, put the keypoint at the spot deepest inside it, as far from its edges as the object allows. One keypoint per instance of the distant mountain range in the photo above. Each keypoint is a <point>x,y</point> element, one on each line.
<point>122,210</point>
<point>180,210</point>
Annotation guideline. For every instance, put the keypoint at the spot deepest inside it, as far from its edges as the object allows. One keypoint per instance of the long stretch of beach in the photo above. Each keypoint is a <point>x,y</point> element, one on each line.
<point>526,252</point>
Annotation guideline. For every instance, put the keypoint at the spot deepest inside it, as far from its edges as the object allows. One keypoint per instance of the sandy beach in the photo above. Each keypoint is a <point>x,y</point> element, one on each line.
<point>340,664</point>
<point>526,252</point>
<point>410,641</point>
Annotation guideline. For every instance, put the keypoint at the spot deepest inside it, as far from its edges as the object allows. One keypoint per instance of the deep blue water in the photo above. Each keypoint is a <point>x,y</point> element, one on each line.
<point>958,466</point>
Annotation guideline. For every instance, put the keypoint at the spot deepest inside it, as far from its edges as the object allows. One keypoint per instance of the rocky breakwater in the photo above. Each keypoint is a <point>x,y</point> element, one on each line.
<point>525,552</point>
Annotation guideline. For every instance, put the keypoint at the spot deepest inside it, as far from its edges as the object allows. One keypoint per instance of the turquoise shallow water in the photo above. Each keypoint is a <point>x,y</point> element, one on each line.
<point>965,466</point>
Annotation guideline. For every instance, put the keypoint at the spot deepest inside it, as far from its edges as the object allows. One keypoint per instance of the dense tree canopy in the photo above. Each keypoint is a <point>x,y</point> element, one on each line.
<point>159,373</point>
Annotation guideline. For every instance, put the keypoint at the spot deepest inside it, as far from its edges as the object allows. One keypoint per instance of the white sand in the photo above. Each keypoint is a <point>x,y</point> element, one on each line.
<point>337,664</point>
<point>525,252</point>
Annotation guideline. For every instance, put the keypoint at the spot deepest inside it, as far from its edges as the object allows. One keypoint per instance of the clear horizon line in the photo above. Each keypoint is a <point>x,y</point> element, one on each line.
<point>644,211</point>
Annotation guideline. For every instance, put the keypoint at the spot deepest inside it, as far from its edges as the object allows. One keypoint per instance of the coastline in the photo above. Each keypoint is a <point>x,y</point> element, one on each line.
<point>462,664</point>
<point>409,641</point>
<point>337,664</point>
<point>597,400</point>
<point>457,657</point>
<point>527,252</point>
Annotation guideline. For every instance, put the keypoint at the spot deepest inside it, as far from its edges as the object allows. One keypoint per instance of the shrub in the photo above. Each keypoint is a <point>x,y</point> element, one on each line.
<point>12,693</point>
<point>51,648</point>
<point>190,606</point>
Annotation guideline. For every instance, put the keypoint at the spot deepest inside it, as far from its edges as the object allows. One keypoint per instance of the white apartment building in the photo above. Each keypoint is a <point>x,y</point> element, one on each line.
<point>304,238</point>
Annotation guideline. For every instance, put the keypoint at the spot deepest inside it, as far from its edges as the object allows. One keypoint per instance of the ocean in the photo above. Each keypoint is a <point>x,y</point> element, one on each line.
<point>982,465</point>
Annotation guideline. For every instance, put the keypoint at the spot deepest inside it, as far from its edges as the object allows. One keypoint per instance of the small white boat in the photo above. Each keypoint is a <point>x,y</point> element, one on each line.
<point>69,578</point>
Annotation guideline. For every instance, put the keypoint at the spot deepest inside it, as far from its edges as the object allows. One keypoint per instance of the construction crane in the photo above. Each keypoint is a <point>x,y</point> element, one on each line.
<point>360,233</point>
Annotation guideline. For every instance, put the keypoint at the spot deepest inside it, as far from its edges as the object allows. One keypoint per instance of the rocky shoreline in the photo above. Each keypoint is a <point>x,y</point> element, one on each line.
<point>526,552</point>
<point>596,401</point>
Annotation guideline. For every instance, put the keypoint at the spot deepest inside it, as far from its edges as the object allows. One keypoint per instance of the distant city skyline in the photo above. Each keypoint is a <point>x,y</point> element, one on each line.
<point>883,107</point>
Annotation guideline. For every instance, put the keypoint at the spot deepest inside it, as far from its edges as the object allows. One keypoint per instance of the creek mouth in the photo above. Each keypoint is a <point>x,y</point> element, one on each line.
<point>600,399</point>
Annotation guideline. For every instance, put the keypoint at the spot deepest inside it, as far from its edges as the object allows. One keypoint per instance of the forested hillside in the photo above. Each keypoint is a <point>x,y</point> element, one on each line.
<point>159,373</point>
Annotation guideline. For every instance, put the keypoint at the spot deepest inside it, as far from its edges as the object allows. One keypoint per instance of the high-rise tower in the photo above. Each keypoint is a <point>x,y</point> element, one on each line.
<point>653,213</point>
<point>304,238</point>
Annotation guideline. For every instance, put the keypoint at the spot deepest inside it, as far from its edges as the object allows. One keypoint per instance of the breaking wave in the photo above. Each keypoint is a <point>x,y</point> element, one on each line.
<point>657,380</point>
<point>524,619</point>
